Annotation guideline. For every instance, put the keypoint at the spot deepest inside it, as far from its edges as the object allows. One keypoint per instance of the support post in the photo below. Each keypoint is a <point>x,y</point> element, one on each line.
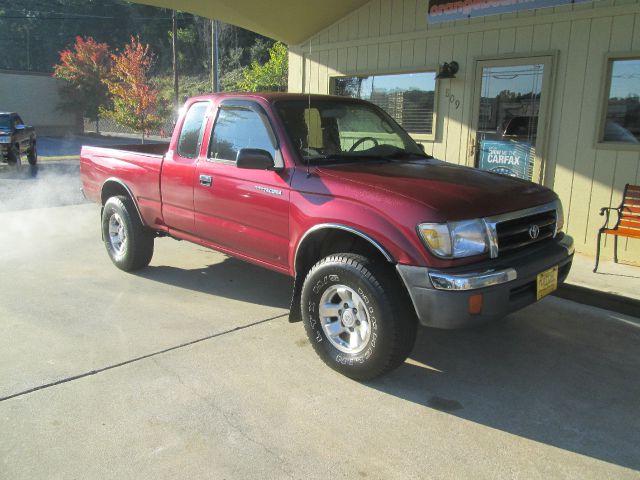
<point>174,34</point>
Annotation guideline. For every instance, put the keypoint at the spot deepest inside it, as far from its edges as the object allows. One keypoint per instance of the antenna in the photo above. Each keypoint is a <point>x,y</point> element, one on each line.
<point>308,120</point>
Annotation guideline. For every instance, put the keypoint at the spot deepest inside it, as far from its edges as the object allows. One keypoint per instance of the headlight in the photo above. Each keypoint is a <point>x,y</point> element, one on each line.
<point>455,239</point>
<point>559,216</point>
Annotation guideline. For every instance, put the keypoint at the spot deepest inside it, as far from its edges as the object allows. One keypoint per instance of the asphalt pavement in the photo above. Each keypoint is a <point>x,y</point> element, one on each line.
<point>190,369</point>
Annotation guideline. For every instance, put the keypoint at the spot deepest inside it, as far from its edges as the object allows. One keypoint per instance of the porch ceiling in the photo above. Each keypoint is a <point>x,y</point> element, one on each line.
<point>290,21</point>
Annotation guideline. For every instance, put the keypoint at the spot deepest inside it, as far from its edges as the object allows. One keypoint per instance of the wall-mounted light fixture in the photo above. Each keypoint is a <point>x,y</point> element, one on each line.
<point>448,70</point>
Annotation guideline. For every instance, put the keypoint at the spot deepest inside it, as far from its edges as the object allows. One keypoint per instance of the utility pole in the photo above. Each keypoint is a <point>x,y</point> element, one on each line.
<point>28,49</point>
<point>215,85</point>
<point>174,35</point>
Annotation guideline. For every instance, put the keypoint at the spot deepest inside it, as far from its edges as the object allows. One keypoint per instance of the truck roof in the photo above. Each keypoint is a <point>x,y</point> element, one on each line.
<point>271,96</point>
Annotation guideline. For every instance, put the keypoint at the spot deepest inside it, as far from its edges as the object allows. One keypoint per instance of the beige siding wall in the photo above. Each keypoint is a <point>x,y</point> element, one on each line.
<point>35,98</point>
<point>393,35</point>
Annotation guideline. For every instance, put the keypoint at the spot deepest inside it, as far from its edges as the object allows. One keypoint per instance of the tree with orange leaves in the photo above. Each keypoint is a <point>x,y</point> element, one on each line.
<point>135,99</point>
<point>83,68</point>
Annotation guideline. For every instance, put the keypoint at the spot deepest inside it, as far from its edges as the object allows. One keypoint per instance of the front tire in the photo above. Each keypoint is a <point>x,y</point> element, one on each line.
<point>13,156</point>
<point>356,316</point>
<point>129,244</point>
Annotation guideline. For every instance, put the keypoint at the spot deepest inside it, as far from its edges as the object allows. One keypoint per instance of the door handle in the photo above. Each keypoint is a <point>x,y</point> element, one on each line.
<point>206,180</point>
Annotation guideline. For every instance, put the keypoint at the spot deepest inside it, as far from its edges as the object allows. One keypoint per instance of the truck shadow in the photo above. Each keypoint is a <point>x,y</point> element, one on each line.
<point>230,278</point>
<point>557,372</point>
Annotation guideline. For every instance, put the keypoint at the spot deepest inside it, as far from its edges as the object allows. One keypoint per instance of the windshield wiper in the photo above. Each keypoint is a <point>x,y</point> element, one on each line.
<point>337,157</point>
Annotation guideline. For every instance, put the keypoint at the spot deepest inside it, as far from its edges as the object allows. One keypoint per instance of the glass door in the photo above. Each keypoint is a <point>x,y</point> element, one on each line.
<point>509,116</point>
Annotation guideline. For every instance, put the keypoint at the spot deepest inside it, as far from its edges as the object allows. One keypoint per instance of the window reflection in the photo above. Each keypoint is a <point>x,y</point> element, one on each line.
<point>622,122</point>
<point>238,128</point>
<point>191,134</point>
<point>508,118</point>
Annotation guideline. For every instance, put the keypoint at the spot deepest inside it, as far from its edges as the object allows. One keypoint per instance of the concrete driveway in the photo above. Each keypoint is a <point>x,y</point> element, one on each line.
<point>189,369</point>
<point>41,185</point>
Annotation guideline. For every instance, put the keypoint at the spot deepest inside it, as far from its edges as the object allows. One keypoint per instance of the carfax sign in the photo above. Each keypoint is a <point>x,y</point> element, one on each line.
<point>506,157</point>
<point>449,10</point>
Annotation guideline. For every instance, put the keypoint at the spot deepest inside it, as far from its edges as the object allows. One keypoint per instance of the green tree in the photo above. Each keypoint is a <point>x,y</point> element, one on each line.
<point>270,76</point>
<point>135,99</point>
<point>83,67</point>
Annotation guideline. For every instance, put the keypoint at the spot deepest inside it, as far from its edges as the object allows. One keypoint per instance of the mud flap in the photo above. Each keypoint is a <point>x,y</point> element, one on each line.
<point>101,231</point>
<point>295,312</point>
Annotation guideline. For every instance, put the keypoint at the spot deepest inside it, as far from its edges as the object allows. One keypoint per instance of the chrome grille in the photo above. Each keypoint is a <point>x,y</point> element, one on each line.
<point>520,232</point>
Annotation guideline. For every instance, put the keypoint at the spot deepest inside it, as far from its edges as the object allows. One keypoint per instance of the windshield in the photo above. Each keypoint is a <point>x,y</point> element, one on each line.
<point>5,121</point>
<point>329,131</point>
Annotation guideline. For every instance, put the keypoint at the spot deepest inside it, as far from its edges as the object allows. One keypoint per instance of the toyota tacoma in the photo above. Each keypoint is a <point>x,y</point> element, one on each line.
<point>379,236</point>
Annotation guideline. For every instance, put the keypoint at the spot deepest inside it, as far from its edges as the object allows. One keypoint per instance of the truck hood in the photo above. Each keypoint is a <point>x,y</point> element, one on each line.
<point>450,191</point>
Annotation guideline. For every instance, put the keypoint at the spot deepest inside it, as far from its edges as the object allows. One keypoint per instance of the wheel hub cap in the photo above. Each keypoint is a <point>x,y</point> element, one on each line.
<point>117,234</point>
<point>348,320</point>
<point>345,319</point>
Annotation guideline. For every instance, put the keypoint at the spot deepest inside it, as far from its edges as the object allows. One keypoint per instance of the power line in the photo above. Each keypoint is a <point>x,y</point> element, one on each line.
<point>87,17</point>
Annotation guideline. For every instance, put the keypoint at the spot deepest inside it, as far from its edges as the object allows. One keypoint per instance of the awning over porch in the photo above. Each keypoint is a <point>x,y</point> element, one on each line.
<point>290,21</point>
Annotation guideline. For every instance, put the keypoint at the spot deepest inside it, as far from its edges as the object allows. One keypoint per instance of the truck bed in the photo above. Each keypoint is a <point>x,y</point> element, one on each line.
<point>136,166</point>
<point>153,149</point>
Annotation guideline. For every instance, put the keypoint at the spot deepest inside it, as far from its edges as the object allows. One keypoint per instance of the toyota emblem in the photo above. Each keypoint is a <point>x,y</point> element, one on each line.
<point>534,231</point>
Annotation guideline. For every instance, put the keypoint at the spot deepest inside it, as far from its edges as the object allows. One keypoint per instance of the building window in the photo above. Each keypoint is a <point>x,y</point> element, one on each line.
<point>622,102</point>
<point>408,97</point>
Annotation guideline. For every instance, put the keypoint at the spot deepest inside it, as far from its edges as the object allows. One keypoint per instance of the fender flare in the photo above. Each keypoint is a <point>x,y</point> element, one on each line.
<point>129,193</point>
<point>295,313</point>
<point>346,228</point>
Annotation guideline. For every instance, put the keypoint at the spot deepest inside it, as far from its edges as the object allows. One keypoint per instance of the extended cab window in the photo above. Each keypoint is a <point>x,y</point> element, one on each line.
<point>236,128</point>
<point>191,134</point>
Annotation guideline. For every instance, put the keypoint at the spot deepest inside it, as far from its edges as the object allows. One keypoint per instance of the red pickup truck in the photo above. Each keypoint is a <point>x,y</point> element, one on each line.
<point>332,191</point>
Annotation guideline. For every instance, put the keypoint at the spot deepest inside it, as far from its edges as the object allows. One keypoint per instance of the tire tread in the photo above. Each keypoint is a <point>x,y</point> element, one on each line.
<point>141,238</point>
<point>404,324</point>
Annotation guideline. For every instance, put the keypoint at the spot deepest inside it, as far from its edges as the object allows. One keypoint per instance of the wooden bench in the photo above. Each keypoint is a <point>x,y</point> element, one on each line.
<point>628,224</point>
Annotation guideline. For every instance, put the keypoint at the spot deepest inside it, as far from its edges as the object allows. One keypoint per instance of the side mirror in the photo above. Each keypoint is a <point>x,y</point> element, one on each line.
<point>255,159</point>
<point>20,126</point>
<point>421,146</point>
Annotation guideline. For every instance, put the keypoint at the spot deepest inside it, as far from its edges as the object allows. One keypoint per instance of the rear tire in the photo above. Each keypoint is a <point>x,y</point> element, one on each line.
<point>129,244</point>
<point>32,155</point>
<point>356,316</point>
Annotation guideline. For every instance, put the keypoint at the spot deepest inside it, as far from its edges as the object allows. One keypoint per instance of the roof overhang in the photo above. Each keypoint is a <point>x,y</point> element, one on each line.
<point>290,21</point>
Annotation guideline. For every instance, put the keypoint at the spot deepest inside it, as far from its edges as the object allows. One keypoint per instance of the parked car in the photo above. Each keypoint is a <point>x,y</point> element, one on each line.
<point>378,235</point>
<point>16,139</point>
<point>614,132</point>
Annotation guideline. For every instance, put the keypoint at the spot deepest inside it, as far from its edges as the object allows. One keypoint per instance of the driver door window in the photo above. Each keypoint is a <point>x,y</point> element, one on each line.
<point>237,128</point>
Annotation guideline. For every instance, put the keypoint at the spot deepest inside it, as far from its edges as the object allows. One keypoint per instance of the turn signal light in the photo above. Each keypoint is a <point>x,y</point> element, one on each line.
<point>475,304</point>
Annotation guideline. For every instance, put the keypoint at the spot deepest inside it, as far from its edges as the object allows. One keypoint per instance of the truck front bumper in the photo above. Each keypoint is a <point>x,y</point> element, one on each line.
<point>442,298</point>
